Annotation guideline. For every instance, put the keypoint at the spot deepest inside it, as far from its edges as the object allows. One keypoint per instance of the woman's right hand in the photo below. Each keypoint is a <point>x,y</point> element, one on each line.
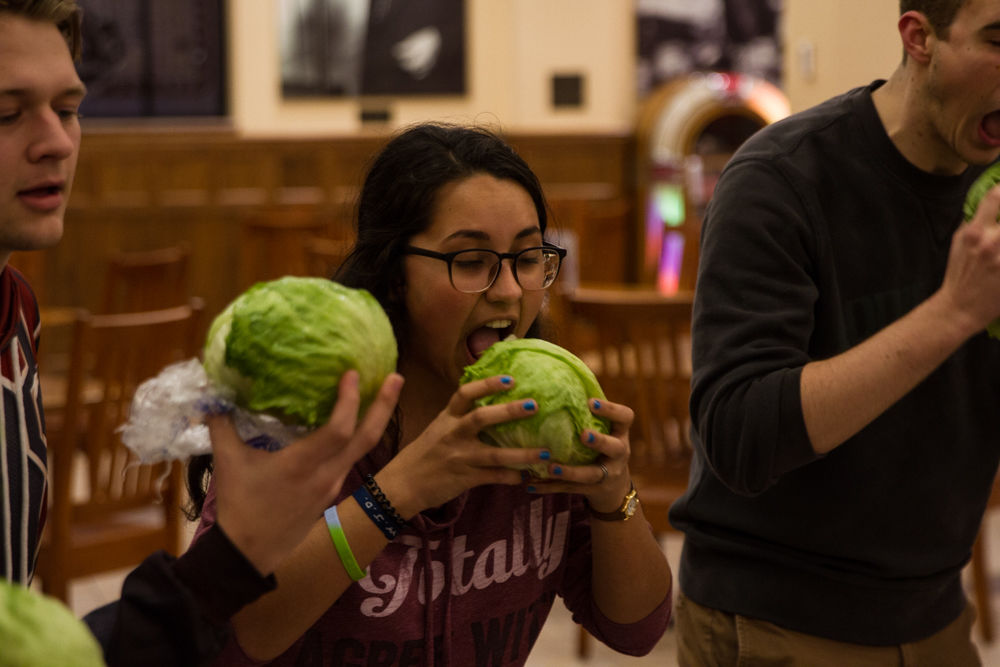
<point>448,458</point>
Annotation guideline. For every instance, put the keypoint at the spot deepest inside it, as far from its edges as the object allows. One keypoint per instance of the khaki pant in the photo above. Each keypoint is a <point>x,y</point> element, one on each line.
<point>711,638</point>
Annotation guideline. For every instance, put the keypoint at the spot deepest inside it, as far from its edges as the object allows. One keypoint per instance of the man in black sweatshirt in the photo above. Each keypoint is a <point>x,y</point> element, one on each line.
<point>846,397</point>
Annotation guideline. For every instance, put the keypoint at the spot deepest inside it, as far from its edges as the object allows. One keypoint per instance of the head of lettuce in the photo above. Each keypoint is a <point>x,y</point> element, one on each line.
<point>561,384</point>
<point>39,631</point>
<point>280,348</point>
<point>977,191</point>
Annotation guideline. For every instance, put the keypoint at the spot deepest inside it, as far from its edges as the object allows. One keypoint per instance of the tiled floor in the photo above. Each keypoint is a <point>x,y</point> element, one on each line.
<point>557,644</point>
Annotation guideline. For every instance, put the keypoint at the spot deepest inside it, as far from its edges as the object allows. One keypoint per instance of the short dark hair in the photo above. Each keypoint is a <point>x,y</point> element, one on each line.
<point>64,14</point>
<point>939,13</point>
<point>398,196</point>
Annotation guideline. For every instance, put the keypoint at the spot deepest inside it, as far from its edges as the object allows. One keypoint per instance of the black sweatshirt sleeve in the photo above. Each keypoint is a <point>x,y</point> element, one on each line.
<point>176,611</point>
<point>753,319</point>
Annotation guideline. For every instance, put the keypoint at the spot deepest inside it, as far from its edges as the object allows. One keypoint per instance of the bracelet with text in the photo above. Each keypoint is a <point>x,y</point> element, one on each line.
<point>341,545</point>
<point>386,523</point>
<point>380,498</point>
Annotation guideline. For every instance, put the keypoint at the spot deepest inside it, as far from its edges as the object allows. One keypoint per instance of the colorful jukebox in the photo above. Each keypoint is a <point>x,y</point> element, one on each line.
<point>687,130</point>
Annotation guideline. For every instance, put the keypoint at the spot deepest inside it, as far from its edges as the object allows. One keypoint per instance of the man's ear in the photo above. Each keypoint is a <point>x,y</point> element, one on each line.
<point>917,35</point>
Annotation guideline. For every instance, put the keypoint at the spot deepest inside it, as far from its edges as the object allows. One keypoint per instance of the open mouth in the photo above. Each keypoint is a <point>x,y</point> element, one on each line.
<point>43,191</point>
<point>482,338</point>
<point>43,198</point>
<point>989,128</point>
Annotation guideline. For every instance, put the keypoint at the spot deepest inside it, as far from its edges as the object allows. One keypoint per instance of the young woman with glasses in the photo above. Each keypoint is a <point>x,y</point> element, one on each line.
<point>438,552</point>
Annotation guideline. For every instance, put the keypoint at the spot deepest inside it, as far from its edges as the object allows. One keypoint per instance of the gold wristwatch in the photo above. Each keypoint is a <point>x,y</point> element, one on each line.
<point>629,505</point>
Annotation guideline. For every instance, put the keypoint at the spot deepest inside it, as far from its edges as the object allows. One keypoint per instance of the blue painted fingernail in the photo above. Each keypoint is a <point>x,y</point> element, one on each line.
<point>506,379</point>
<point>597,404</point>
<point>590,437</point>
<point>525,475</point>
<point>557,470</point>
<point>530,489</point>
<point>544,456</point>
<point>529,406</point>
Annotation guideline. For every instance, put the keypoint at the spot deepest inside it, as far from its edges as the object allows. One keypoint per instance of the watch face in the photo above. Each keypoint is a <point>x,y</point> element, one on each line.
<point>631,506</point>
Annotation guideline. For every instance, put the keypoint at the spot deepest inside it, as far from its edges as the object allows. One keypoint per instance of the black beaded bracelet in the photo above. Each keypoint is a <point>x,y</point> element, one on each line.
<point>380,498</point>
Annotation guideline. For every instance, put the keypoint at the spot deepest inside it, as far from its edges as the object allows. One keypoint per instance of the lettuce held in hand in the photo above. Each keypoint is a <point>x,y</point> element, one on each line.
<point>561,384</point>
<point>977,191</point>
<point>281,347</point>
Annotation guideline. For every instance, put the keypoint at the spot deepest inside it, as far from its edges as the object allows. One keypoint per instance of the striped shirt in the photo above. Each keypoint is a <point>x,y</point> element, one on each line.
<point>23,472</point>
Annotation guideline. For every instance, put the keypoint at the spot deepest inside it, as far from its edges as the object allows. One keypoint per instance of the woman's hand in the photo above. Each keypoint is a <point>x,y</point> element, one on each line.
<point>448,458</point>
<point>604,491</point>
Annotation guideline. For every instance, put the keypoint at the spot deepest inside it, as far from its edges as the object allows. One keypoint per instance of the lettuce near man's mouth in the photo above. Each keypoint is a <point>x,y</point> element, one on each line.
<point>281,347</point>
<point>977,191</point>
<point>560,383</point>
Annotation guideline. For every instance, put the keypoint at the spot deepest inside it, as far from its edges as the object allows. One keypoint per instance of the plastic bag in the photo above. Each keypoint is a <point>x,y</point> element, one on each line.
<point>166,418</point>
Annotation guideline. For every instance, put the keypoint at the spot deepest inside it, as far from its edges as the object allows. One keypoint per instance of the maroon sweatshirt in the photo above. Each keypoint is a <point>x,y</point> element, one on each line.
<point>494,559</point>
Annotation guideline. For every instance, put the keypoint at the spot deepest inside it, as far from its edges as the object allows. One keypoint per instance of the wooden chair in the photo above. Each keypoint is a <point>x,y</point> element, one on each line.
<point>599,226</point>
<point>638,343</point>
<point>141,280</point>
<point>325,255</point>
<point>31,264</point>
<point>107,511</point>
<point>273,242</point>
<point>134,281</point>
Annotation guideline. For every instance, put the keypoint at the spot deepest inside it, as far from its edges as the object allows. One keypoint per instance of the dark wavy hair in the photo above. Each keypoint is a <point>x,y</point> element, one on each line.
<point>396,202</point>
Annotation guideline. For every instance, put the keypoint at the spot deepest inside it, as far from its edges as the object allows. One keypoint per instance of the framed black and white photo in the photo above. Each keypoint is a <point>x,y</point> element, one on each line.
<point>677,37</point>
<point>153,58</point>
<point>372,47</point>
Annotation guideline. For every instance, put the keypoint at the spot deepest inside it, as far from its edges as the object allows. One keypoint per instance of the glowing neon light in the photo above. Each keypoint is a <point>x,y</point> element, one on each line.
<point>669,274</point>
<point>670,203</point>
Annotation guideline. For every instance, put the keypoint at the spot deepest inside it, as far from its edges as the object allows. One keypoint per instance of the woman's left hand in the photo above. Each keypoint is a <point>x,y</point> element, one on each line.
<point>605,481</point>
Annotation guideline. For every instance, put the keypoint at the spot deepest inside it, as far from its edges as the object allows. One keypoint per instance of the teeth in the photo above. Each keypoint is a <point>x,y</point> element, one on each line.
<point>499,324</point>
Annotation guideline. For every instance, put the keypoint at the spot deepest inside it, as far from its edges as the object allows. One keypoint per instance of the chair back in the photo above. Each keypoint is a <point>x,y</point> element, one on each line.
<point>638,343</point>
<point>599,225</point>
<point>325,255</point>
<point>142,280</point>
<point>107,511</point>
<point>273,242</point>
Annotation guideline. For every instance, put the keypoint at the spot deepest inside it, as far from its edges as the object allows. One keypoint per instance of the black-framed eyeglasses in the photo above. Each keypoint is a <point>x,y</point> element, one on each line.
<point>475,270</point>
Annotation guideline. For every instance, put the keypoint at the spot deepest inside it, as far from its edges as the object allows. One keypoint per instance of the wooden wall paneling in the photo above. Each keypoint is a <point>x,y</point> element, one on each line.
<point>578,158</point>
<point>140,189</point>
<point>184,178</point>
<point>301,176</point>
<point>245,176</point>
<point>125,181</point>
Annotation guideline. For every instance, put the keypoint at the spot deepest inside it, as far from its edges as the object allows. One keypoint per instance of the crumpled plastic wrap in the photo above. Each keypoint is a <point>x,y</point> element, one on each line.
<point>166,418</point>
